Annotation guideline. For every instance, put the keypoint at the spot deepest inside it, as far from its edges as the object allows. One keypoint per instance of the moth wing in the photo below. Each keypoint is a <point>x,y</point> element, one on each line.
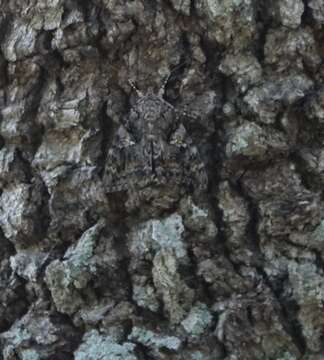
<point>123,138</point>
<point>118,174</point>
<point>188,156</point>
<point>195,169</point>
<point>180,137</point>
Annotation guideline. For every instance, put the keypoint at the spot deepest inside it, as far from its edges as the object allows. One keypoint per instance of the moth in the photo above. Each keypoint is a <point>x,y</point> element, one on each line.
<point>153,148</point>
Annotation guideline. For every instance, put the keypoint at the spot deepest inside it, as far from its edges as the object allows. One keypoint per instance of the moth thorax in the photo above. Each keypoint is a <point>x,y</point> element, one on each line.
<point>151,136</point>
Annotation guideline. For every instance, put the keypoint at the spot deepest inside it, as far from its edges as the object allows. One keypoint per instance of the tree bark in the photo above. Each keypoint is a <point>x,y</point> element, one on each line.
<point>161,173</point>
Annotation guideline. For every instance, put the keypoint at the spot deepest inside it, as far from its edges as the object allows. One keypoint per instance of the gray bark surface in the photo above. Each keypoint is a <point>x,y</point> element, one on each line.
<point>161,175</point>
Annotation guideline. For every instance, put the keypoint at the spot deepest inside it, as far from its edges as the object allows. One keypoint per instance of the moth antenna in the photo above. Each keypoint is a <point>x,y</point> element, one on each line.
<point>162,88</point>
<point>167,78</point>
<point>138,92</point>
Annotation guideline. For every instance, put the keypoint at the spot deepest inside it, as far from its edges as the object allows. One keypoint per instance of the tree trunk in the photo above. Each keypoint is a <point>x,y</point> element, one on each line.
<point>161,173</point>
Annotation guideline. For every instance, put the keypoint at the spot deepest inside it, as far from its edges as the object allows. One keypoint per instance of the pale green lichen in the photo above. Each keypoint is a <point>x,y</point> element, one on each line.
<point>47,15</point>
<point>31,328</point>
<point>153,340</point>
<point>244,69</point>
<point>219,7</point>
<point>317,236</point>
<point>198,320</point>
<point>196,355</point>
<point>168,233</point>
<point>20,41</point>
<point>30,355</point>
<point>252,141</point>
<point>287,356</point>
<point>224,16</point>
<point>198,219</point>
<point>177,296</point>
<point>96,346</point>
<point>267,99</point>
<point>145,296</point>
<point>159,234</point>
<point>317,10</point>
<point>291,12</point>
<point>307,283</point>
<point>65,277</point>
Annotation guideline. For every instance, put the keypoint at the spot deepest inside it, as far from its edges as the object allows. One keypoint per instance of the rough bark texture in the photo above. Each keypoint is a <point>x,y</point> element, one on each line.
<point>113,244</point>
